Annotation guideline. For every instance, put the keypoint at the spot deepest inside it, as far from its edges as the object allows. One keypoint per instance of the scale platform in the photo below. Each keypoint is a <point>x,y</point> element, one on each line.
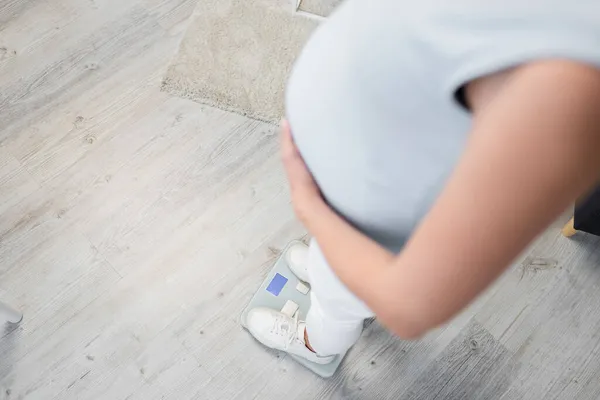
<point>278,287</point>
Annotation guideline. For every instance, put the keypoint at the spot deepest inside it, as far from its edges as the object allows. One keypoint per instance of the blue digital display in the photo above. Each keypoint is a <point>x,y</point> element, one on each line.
<point>277,284</point>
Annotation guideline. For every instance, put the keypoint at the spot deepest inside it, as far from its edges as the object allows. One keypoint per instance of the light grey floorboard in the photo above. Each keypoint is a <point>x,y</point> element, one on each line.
<point>134,228</point>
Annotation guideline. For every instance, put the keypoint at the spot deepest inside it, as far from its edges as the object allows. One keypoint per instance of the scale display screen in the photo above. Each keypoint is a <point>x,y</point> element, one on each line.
<point>277,284</point>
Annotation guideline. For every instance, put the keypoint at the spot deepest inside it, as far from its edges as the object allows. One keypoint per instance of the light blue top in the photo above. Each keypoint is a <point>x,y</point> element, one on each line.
<point>371,100</point>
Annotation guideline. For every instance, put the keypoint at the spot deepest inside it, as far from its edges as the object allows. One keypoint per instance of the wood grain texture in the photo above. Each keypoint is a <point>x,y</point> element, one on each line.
<point>464,369</point>
<point>134,228</point>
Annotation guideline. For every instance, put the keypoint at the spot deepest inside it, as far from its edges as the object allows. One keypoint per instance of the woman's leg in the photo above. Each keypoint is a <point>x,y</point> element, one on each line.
<point>335,320</point>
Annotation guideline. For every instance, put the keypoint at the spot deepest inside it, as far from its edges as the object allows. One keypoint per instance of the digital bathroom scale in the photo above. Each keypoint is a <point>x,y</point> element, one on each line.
<point>281,287</point>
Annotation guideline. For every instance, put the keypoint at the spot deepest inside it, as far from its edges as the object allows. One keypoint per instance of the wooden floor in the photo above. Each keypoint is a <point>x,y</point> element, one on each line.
<point>134,227</point>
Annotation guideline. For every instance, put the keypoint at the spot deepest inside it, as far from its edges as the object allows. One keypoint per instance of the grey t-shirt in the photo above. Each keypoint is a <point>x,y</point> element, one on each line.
<point>372,98</point>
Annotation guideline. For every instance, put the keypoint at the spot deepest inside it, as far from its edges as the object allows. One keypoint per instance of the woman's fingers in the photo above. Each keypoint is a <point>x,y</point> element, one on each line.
<point>288,147</point>
<point>300,179</point>
<point>305,192</point>
<point>297,171</point>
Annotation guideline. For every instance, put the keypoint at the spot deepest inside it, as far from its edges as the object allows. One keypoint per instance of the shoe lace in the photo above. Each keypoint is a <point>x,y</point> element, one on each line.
<point>282,327</point>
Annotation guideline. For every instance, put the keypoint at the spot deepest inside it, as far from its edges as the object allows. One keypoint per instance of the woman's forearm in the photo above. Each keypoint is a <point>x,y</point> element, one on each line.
<point>532,151</point>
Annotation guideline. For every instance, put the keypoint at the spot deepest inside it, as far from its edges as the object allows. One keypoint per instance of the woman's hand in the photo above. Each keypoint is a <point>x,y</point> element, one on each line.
<point>306,196</point>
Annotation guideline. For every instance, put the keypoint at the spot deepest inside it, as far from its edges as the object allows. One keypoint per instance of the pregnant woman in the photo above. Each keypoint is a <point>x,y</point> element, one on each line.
<point>427,144</point>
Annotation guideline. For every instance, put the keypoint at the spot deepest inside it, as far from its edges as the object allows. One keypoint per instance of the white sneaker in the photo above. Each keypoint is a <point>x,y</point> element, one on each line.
<point>297,259</point>
<point>278,331</point>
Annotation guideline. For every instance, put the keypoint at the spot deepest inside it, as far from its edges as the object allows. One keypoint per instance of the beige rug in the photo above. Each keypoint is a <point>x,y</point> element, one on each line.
<point>237,54</point>
<point>318,7</point>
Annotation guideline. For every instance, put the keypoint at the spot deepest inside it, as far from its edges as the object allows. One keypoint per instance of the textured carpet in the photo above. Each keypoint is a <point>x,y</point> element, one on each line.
<point>237,55</point>
<point>319,7</point>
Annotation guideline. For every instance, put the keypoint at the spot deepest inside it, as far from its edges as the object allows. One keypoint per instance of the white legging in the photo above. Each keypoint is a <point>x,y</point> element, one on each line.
<point>335,319</point>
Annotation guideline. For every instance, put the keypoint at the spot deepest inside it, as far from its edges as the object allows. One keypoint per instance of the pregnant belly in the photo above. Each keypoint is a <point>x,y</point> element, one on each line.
<point>332,152</point>
<point>361,182</point>
<point>364,168</point>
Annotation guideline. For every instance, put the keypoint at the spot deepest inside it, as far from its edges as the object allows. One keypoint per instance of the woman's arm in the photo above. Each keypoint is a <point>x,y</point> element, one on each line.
<point>534,147</point>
